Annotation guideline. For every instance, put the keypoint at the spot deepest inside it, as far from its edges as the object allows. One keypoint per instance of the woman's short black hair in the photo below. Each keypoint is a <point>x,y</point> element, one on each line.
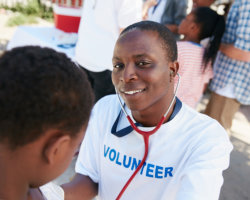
<point>41,89</point>
<point>165,35</point>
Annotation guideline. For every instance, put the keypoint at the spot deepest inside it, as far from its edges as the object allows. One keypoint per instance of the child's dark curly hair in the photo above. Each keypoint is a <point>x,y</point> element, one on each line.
<point>41,89</point>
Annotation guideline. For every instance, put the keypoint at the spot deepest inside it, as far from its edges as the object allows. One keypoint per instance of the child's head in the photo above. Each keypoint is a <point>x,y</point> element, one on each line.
<point>202,23</point>
<point>45,102</point>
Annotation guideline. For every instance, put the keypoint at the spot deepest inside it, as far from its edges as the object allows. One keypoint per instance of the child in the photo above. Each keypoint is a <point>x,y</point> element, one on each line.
<point>45,102</point>
<point>195,60</point>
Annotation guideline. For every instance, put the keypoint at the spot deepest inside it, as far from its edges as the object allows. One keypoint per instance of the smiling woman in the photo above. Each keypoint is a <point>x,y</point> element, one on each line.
<point>190,150</point>
<point>142,71</point>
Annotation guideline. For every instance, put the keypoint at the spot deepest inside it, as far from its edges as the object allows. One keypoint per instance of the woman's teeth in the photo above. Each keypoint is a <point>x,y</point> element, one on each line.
<point>133,92</point>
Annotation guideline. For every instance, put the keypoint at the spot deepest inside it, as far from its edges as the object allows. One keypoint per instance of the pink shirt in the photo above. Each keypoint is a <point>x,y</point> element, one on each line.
<point>193,78</point>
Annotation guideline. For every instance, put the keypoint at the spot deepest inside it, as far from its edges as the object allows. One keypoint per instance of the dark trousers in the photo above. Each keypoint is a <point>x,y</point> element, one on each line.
<point>101,83</point>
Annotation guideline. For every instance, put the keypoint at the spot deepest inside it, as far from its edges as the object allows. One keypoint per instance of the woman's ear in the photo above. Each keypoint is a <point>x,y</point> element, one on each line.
<point>55,147</point>
<point>174,67</point>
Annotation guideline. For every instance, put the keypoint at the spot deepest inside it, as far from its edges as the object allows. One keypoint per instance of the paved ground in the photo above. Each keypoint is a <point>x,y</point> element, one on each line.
<point>237,177</point>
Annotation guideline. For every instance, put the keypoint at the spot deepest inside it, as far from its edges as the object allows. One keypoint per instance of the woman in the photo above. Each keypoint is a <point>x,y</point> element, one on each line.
<point>186,154</point>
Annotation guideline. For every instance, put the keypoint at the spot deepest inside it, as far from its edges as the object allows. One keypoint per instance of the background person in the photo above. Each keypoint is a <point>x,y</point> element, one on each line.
<point>100,25</point>
<point>196,61</point>
<point>45,105</point>
<point>186,155</point>
<point>230,84</point>
<point>167,12</point>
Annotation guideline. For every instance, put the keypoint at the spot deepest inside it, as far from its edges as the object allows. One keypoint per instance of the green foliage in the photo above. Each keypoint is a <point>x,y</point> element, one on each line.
<point>21,19</point>
<point>33,7</point>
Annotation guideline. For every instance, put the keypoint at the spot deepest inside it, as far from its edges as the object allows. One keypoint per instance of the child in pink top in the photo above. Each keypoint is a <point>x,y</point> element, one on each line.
<point>195,61</point>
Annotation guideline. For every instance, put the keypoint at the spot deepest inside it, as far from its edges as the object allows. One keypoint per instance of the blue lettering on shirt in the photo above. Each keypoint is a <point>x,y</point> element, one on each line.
<point>126,165</point>
<point>144,164</point>
<point>106,150</point>
<point>158,171</point>
<point>135,164</point>
<point>112,154</point>
<point>117,159</point>
<point>149,172</point>
<point>168,170</point>
<point>148,169</point>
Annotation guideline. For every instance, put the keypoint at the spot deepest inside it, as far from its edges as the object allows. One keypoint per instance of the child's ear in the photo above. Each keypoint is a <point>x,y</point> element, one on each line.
<point>56,147</point>
<point>195,28</point>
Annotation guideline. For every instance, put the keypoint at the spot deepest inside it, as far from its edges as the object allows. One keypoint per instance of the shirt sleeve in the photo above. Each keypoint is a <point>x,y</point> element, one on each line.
<point>129,12</point>
<point>243,26</point>
<point>88,159</point>
<point>202,178</point>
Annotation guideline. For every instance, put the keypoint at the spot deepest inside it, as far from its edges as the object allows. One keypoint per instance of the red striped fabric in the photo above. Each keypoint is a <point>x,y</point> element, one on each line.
<point>193,78</point>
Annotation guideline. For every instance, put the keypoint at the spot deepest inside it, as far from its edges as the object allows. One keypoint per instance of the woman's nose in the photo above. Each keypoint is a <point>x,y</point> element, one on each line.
<point>129,73</point>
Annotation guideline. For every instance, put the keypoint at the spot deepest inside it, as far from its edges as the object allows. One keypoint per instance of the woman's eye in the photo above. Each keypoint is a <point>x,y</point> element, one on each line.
<point>142,63</point>
<point>117,65</point>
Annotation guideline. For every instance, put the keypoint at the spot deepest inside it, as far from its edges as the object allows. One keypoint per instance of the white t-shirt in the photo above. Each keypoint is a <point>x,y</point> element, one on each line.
<point>99,29</point>
<point>186,156</point>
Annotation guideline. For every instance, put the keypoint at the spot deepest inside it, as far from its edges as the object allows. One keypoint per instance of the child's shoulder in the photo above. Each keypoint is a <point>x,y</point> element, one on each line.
<point>188,44</point>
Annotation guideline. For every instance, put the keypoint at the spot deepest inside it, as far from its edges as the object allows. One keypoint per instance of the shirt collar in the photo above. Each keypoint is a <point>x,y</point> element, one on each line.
<point>129,129</point>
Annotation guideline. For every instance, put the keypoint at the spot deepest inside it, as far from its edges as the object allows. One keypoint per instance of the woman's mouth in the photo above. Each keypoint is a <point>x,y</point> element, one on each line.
<point>133,91</point>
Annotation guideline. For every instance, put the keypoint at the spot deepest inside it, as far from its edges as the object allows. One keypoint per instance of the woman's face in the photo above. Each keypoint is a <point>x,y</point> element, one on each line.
<point>141,73</point>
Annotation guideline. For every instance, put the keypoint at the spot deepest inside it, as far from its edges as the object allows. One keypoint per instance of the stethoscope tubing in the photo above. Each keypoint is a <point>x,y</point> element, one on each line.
<point>145,135</point>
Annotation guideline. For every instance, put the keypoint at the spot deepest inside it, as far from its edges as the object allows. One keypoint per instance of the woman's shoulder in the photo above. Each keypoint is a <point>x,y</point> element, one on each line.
<point>107,104</point>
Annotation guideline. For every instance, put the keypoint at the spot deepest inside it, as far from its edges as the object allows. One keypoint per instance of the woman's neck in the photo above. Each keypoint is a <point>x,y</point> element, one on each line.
<point>152,117</point>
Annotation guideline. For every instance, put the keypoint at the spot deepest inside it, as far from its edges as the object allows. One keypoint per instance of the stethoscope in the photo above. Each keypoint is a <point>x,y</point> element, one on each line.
<point>145,134</point>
